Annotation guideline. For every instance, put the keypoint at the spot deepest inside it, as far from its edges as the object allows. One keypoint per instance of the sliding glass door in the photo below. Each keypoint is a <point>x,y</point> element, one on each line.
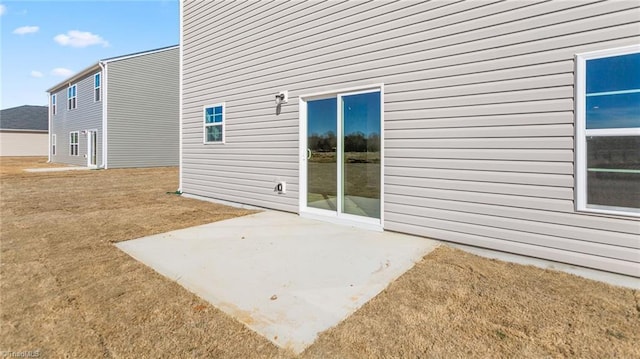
<point>322,159</point>
<point>361,154</point>
<point>342,162</point>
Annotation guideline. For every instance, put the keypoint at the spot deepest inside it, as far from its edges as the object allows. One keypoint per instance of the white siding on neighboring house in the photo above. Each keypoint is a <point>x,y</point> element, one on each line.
<point>23,143</point>
<point>478,112</point>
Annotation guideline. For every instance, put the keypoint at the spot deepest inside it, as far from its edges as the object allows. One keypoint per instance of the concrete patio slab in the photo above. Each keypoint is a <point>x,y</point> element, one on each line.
<point>286,277</point>
<point>56,169</point>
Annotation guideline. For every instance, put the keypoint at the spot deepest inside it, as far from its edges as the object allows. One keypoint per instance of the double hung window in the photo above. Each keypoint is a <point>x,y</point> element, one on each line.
<point>96,87</point>
<point>73,143</point>
<point>72,97</point>
<point>214,118</point>
<point>608,131</point>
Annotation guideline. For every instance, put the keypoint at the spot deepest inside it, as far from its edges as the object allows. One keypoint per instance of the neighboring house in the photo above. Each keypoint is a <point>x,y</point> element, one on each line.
<point>118,112</point>
<point>24,131</point>
<point>513,126</point>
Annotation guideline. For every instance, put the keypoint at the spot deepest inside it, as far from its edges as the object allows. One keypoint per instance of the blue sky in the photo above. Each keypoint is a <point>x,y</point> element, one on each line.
<point>613,92</point>
<point>43,42</point>
<point>362,114</point>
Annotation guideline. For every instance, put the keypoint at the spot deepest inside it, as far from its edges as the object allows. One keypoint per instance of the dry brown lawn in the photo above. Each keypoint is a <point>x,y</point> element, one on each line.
<point>66,291</point>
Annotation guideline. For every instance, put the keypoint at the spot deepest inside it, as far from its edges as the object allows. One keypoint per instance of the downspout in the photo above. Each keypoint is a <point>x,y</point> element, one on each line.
<point>103,86</point>
<point>49,129</point>
<point>180,92</point>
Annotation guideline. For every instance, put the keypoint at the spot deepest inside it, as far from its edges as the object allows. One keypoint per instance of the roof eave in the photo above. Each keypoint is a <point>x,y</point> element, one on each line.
<point>22,130</point>
<point>141,53</point>
<point>96,66</point>
<point>75,77</point>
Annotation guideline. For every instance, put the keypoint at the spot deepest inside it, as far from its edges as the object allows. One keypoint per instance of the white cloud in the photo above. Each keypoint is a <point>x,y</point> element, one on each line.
<point>3,9</point>
<point>75,38</point>
<point>35,73</point>
<point>61,71</point>
<point>26,30</point>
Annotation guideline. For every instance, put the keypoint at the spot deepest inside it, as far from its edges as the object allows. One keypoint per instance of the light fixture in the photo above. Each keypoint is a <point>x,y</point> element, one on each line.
<point>282,97</point>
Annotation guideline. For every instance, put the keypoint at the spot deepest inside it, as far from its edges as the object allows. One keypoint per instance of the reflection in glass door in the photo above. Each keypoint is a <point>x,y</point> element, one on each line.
<point>322,154</point>
<point>361,154</point>
<point>92,152</point>
<point>343,159</point>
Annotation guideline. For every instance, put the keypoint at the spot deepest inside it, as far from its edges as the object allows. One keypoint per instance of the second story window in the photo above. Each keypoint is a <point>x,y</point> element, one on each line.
<point>96,87</point>
<point>72,97</point>
<point>53,104</point>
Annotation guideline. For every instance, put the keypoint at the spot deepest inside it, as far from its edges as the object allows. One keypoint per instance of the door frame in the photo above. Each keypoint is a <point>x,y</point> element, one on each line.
<point>91,148</point>
<point>336,216</point>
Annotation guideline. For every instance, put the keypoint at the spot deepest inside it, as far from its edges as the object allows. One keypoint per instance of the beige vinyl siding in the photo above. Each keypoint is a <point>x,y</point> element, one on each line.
<point>479,112</point>
<point>142,110</point>
<point>86,116</point>
<point>23,143</point>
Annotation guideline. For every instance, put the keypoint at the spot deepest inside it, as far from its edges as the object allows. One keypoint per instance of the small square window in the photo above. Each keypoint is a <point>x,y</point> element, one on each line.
<point>214,124</point>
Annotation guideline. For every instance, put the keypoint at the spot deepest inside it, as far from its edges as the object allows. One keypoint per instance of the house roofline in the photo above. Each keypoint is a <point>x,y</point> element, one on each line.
<point>75,77</point>
<point>22,130</point>
<point>96,66</point>
<point>141,53</point>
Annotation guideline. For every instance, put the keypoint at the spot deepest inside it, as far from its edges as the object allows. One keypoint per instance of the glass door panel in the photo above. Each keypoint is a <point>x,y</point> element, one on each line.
<point>322,154</point>
<point>92,151</point>
<point>361,154</point>
<point>94,148</point>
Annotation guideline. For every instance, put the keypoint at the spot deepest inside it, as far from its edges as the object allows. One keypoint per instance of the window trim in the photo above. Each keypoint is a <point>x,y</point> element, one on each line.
<point>76,144</point>
<point>53,104</point>
<point>53,144</point>
<point>74,97</point>
<point>582,132</point>
<point>97,90</point>
<point>205,124</point>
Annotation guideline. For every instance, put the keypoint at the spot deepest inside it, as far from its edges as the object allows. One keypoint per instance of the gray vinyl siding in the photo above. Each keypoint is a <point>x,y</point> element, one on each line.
<point>86,116</point>
<point>142,110</point>
<point>478,121</point>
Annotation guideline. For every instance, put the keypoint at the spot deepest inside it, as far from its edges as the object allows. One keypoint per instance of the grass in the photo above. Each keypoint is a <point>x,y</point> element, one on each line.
<point>361,179</point>
<point>66,291</point>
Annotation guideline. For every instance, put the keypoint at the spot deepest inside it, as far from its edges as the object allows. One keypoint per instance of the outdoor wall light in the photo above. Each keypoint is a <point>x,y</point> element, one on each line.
<point>282,97</point>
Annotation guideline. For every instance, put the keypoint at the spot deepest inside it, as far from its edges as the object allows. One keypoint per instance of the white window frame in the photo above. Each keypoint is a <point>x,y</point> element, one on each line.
<point>97,90</point>
<point>53,104</point>
<point>53,144</point>
<point>205,124</point>
<point>76,144</point>
<point>74,97</point>
<point>582,132</point>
